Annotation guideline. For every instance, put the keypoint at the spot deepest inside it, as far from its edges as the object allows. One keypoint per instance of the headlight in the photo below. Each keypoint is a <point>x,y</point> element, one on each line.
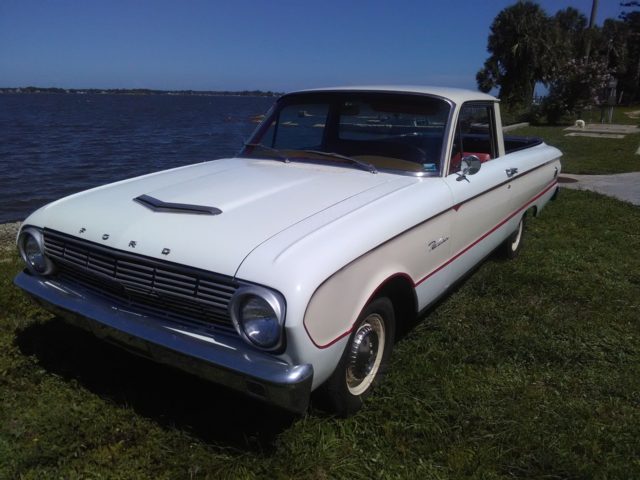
<point>32,252</point>
<point>258,315</point>
<point>259,321</point>
<point>31,246</point>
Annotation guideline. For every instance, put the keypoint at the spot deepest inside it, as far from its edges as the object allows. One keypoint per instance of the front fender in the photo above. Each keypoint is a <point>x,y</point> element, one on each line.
<point>337,303</point>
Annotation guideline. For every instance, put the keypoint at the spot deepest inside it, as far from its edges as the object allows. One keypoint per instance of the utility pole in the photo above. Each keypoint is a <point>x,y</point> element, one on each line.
<point>594,9</point>
<point>592,21</point>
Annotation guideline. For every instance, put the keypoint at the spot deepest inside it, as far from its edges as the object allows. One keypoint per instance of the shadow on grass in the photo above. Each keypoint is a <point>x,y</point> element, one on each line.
<point>176,400</point>
<point>405,328</point>
<point>212,413</point>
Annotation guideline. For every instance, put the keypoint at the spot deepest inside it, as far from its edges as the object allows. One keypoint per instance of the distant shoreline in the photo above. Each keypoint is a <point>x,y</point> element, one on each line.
<point>137,91</point>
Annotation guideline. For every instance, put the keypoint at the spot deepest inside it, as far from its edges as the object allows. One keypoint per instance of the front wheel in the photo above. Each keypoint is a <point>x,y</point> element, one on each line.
<point>363,364</point>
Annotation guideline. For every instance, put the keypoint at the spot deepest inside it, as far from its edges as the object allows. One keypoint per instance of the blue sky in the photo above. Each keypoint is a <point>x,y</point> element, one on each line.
<point>278,45</point>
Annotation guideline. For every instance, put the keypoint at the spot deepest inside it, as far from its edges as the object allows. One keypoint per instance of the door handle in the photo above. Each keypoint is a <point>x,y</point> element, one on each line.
<point>511,172</point>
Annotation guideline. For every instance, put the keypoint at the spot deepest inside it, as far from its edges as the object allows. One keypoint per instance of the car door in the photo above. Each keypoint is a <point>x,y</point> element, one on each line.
<point>482,201</point>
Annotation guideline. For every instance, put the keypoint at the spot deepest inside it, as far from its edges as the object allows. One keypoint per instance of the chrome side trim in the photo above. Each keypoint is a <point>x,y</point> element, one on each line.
<point>221,359</point>
<point>167,207</point>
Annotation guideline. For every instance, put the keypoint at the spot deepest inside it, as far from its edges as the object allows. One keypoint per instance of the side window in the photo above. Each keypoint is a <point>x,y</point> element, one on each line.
<point>474,135</point>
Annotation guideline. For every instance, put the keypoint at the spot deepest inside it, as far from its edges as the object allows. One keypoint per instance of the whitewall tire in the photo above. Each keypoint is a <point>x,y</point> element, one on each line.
<point>363,364</point>
<point>512,245</point>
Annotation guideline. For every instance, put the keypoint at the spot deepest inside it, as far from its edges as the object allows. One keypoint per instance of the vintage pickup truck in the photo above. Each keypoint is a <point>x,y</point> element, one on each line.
<point>288,268</point>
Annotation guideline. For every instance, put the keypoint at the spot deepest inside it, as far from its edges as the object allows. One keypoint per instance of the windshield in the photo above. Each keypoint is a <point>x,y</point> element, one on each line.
<point>387,130</point>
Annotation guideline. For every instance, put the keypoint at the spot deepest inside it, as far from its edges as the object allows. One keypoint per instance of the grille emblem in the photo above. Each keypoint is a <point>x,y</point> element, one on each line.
<point>82,230</point>
<point>105,236</point>
<point>166,251</point>
<point>133,244</point>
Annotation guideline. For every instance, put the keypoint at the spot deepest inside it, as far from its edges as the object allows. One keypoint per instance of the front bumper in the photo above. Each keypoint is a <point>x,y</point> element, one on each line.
<point>218,358</point>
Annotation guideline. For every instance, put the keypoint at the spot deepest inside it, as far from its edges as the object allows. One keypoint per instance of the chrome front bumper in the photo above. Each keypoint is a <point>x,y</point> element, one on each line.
<point>219,358</point>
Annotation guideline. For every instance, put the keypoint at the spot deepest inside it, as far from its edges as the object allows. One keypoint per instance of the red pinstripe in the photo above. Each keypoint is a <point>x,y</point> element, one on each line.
<point>415,284</point>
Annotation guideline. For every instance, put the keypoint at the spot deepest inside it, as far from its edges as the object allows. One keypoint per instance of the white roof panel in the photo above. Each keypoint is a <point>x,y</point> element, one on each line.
<point>456,95</point>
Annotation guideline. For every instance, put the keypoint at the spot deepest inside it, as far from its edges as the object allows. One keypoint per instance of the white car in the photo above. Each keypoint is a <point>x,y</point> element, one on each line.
<point>287,268</point>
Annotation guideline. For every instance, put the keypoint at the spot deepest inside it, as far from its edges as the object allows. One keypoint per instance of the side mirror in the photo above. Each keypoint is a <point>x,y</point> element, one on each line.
<point>470,165</point>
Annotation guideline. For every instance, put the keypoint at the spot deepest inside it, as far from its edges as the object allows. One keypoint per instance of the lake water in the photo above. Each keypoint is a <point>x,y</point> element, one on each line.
<point>55,145</point>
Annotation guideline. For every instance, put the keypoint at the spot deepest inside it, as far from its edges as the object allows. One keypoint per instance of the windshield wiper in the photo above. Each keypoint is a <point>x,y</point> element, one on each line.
<point>277,152</point>
<point>369,166</point>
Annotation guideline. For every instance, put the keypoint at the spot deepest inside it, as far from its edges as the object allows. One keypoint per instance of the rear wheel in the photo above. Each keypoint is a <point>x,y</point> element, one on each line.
<point>512,245</point>
<point>363,364</point>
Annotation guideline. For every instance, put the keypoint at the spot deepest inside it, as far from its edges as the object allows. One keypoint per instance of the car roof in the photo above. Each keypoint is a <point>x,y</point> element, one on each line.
<point>456,95</point>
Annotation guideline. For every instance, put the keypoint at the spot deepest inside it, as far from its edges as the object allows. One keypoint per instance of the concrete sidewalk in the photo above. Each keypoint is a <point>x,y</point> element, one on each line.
<point>624,186</point>
<point>605,128</point>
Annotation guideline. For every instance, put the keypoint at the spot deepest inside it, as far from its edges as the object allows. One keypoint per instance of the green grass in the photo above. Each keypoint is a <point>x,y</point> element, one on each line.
<point>618,117</point>
<point>585,155</point>
<point>593,116</point>
<point>531,369</point>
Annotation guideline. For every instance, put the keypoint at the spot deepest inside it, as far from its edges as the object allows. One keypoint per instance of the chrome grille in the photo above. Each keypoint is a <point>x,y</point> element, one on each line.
<point>143,284</point>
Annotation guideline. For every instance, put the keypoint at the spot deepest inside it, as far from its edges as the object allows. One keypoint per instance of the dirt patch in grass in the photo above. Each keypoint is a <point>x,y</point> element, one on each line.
<point>8,232</point>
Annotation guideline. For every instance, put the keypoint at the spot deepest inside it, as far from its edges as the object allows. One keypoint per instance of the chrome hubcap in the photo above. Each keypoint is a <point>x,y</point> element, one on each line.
<point>365,354</point>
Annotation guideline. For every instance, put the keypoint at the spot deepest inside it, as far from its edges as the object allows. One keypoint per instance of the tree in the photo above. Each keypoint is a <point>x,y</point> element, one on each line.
<point>526,46</point>
<point>572,25</point>
<point>575,86</point>
<point>629,79</point>
<point>523,47</point>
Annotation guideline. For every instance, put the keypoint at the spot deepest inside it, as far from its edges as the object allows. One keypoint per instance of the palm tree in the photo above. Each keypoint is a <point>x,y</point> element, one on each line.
<point>523,44</point>
<point>573,26</point>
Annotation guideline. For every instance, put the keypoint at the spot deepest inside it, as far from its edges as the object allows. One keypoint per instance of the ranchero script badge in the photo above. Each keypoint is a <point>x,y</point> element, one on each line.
<point>436,243</point>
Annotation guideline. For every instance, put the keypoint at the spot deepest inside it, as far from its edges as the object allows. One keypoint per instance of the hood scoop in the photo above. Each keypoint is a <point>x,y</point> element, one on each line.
<point>167,207</point>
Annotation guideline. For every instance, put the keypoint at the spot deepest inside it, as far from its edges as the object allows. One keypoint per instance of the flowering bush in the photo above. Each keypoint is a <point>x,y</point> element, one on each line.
<point>575,87</point>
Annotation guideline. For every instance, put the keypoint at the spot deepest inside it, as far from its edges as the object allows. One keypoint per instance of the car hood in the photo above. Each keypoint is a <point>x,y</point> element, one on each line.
<point>258,199</point>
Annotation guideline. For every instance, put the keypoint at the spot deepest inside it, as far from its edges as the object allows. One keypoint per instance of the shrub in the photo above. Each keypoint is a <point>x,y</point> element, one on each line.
<point>519,113</point>
<point>577,86</point>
